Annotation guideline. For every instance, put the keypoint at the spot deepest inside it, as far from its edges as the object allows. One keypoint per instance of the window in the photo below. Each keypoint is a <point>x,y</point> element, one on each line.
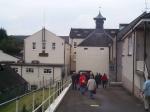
<point>130,46</point>
<point>33,45</point>
<point>30,70</point>
<point>85,48</point>
<point>43,45</point>
<point>47,71</point>
<point>75,44</point>
<point>53,46</point>
<point>78,34</point>
<point>15,69</point>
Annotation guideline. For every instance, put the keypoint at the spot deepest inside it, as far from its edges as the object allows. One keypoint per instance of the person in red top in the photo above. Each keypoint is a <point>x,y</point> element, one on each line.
<point>82,83</point>
<point>104,80</point>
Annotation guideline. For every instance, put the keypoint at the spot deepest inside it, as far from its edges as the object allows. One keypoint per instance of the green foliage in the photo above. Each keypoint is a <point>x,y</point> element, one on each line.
<point>3,34</point>
<point>10,45</point>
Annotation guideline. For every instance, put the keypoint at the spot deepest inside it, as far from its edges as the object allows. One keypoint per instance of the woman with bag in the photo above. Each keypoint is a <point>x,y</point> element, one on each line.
<point>91,87</point>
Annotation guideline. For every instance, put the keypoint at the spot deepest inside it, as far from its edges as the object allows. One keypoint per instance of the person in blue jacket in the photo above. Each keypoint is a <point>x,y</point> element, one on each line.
<point>146,92</point>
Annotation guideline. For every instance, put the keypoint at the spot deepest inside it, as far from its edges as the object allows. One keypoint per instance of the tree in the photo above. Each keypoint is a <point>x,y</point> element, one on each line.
<point>3,34</point>
<point>10,45</point>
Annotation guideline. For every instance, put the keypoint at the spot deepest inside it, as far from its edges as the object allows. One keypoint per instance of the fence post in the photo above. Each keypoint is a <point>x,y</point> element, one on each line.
<point>49,93</point>
<point>33,102</point>
<point>17,104</point>
<point>43,100</point>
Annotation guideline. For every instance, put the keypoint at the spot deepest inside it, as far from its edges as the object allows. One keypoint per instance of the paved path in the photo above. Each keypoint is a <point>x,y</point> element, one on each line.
<point>113,99</point>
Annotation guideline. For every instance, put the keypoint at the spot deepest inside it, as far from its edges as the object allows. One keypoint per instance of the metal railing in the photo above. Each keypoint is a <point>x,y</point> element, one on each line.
<point>37,100</point>
<point>58,87</point>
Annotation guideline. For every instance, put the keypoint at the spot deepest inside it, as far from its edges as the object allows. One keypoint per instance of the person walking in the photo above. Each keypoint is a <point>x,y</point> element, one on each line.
<point>82,82</point>
<point>91,85</point>
<point>73,77</point>
<point>77,81</point>
<point>146,93</point>
<point>97,79</point>
<point>104,80</point>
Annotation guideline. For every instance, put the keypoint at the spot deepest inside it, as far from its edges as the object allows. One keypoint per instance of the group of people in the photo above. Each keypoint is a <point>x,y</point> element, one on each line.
<point>85,81</point>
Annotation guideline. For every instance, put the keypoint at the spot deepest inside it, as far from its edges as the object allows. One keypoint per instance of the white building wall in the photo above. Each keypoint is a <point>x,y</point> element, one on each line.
<point>67,59</point>
<point>38,77</point>
<point>54,56</point>
<point>129,82</point>
<point>127,66</point>
<point>73,52</point>
<point>93,59</point>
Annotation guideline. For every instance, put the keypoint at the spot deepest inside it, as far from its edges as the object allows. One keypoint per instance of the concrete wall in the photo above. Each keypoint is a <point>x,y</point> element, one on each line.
<point>119,60</point>
<point>93,59</point>
<point>127,66</point>
<point>67,58</point>
<point>132,81</point>
<point>38,76</point>
<point>54,56</point>
<point>73,52</point>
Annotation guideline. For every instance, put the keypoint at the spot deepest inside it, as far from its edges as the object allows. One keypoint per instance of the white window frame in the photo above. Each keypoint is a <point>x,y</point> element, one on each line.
<point>33,45</point>
<point>47,71</point>
<point>29,70</point>
<point>15,69</point>
<point>53,45</point>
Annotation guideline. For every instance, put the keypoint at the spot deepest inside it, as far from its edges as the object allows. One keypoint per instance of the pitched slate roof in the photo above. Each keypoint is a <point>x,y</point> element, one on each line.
<point>97,38</point>
<point>78,33</point>
<point>125,30</point>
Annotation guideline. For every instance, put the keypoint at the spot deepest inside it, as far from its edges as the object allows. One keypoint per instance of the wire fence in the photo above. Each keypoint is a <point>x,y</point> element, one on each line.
<point>37,100</point>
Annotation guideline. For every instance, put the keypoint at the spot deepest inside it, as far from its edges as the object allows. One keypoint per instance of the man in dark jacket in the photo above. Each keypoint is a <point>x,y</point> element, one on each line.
<point>97,79</point>
<point>73,77</point>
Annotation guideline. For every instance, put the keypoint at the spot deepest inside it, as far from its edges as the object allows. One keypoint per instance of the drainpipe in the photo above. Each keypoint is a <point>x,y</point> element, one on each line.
<point>144,47</point>
<point>134,47</point>
<point>116,60</point>
<point>64,60</point>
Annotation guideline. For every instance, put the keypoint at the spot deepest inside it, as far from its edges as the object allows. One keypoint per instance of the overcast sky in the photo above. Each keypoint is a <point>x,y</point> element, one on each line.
<point>25,17</point>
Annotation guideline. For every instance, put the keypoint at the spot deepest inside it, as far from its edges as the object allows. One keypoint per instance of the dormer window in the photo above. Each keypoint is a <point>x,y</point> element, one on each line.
<point>53,46</point>
<point>78,34</point>
<point>33,45</point>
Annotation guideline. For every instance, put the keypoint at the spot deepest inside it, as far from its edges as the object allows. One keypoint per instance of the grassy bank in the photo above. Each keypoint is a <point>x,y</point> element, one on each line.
<point>25,103</point>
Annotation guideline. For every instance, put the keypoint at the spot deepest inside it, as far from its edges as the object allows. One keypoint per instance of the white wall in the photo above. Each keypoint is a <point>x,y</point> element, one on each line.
<point>67,58</point>
<point>54,56</point>
<point>127,69</point>
<point>93,59</point>
<point>73,50</point>
<point>36,78</point>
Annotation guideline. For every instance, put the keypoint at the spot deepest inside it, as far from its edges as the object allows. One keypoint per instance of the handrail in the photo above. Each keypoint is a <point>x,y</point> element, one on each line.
<point>53,94</point>
<point>30,92</point>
